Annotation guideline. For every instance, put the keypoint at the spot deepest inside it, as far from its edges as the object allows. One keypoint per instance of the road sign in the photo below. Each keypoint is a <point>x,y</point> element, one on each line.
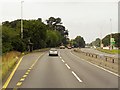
<point>112,41</point>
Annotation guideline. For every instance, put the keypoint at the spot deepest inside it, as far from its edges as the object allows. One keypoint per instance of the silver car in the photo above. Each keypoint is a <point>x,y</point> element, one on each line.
<point>53,52</point>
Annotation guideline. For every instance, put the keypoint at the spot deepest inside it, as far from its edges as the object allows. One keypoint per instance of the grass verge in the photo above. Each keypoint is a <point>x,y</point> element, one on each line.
<point>9,60</point>
<point>109,51</point>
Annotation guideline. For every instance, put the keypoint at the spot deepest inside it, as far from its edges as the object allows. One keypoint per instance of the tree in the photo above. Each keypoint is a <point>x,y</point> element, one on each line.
<point>50,22</point>
<point>35,33</point>
<point>56,24</point>
<point>53,38</point>
<point>116,36</point>
<point>96,42</point>
<point>79,42</point>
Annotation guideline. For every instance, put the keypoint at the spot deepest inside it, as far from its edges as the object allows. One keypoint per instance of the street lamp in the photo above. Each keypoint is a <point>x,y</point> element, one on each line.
<point>101,45</point>
<point>22,19</point>
<point>111,34</point>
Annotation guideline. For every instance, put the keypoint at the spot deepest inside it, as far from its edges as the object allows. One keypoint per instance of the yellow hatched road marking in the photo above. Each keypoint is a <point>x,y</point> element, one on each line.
<point>11,75</point>
<point>27,73</point>
<point>22,79</point>
<point>14,88</point>
<point>32,65</point>
<point>19,83</point>
<point>25,76</point>
<point>28,70</point>
<point>13,72</point>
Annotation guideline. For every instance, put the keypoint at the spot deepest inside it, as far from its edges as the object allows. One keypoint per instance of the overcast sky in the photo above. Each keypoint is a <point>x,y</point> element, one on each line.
<point>87,18</point>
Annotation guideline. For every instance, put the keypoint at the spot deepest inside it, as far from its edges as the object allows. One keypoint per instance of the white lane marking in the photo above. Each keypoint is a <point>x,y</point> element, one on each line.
<point>60,57</point>
<point>67,66</point>
<point>104,69</point>
<point>97,66</point>
<point>76,77</point>
<point>63,60</point>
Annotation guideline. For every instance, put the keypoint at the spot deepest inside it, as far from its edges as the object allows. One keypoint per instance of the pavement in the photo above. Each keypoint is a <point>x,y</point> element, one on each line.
<point>64,71</point>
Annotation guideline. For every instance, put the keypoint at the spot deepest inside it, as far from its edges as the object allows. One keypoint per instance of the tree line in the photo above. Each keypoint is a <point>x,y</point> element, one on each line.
<point>78,42</point>
<point>106,40</point>
<point>41,35</point>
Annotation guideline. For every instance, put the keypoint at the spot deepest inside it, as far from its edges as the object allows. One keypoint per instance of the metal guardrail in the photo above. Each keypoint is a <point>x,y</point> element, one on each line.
<point>103,57</point>
<point>110,63</point>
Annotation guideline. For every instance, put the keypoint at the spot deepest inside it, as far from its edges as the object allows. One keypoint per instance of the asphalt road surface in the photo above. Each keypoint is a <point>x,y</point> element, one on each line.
<point>63,71</point>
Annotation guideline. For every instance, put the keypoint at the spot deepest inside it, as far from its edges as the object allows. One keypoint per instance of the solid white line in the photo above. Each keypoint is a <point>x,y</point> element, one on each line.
<point>67,66</point>
<point>97,66</point>
<point>63,60</point>
<point>104,69</point>
<point>76,77</point>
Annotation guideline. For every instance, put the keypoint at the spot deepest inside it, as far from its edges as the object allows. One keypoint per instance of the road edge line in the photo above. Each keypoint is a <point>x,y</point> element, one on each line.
<point>25,75</point>
<point>11,75</point>
<point>97,66</point>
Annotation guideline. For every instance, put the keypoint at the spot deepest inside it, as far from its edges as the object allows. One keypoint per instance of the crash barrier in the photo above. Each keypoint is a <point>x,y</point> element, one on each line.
<point>108,62</point>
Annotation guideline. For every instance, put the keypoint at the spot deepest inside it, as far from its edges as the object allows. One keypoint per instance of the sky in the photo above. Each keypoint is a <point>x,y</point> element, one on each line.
<point>87,18</point>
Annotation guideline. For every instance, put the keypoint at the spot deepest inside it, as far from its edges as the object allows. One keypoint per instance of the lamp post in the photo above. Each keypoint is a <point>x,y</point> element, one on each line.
<point>111,34</point>
<point>22,19</point>
<point>101,45</point>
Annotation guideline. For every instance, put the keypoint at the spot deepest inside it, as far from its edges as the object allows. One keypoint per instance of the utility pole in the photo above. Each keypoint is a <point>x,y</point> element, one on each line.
<point>21,19</point>
<point>101,45</point>
<point>110,34</point>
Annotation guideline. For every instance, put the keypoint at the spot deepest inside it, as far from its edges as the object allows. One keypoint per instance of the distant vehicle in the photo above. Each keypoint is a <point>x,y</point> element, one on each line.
<point>72,46</point>
<point>62,47</point>
<point>69,47</point>
<point>53,52</point>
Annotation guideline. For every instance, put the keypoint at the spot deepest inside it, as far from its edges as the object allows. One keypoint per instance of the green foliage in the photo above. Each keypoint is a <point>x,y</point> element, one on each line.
<point>106,40</point>
<point>56,24</point>
<point>8,34</point>
<point>53,38</point>
<point>0,40</point>
<point>6,47</point>
<point>116,36</point>
<point>35,33</point>
<point>109,51</point>
<point>96,42</point>
<point>18,45</point>
<point>78,42</point>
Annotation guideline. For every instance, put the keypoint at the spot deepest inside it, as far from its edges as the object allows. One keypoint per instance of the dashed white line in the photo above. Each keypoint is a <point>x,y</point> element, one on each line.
<point>76,77</point>
<point>67,66</point>
<point>63,60</point>
<point>60,57</point>
<point>97,66</point>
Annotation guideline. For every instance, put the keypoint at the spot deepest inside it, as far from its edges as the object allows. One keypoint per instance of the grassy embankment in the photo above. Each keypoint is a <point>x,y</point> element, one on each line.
<point>9,60</point>
<point>109,51</point>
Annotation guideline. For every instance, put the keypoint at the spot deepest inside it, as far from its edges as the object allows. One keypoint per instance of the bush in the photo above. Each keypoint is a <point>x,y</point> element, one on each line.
<point>18,45</point>
<point>6,47</point>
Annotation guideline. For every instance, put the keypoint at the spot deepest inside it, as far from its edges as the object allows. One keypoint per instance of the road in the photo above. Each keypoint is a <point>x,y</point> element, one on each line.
<point>63,71</point>
<point>94,51</point>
